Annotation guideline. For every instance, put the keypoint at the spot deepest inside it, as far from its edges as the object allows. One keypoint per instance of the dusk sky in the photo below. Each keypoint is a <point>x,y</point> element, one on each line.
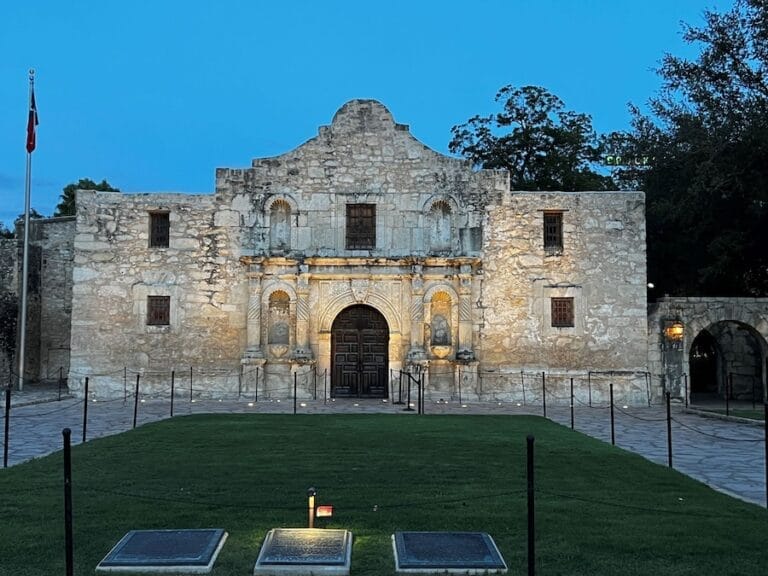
<point>155,95</point>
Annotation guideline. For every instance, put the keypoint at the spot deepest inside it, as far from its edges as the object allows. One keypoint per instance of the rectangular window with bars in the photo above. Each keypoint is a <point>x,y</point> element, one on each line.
<point>562,312</point>
<point>159,227</point>
<point>158,310</point>
<point>553,232</point>
<point>361,226</point>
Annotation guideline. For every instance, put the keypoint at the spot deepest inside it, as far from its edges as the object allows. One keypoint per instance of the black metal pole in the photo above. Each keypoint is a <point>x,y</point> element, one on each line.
<point>325,386</point>
<point>125,384</point>
<point>765,443</point>
<point>136,401</point>
<point>294,392</point>
<point>685,382</point>
<point>421,391</point>
<point>728,389</point>
<point>571,403</point>
<point>190,383</point>
<point>173,389</point>
<point>400,389</point>
<point>589,387</point>
<point>408,407</point>
<point>68,502</point>
<point>85,409</point>
<point>256,387</point>
<point>544,394</point>
<point>531,510</point>
<point>7,423</point>
<point>459,388</point>
<point>613,427</point>
<point>314,381</point>
<point>669,433</point>
<point>522,385</point>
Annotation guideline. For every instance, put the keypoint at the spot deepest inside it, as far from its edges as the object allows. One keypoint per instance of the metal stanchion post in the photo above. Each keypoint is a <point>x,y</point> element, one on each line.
<point>294,392</point>
<point>136,401</point>
<point>669,433</point>
<point>613,428</point>
<point>544,394</point>
<point>589,387</point>
<point>85,409</point>
<point>531,510</point>
<point>173,389</point>
<point>7,424</point>
<point>728,391</point>
<point>190,383</point>
<point>571,403</point>
<point>685,382</point>
<point>68,544</point>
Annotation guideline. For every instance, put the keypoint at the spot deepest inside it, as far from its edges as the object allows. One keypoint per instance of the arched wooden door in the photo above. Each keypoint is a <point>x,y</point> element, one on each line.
<point>359,353</point>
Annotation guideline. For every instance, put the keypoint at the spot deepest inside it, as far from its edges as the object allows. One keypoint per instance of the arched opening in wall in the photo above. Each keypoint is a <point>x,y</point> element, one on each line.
<point>728,357</point>
<point>440,227</point>
<point>359,353</point>
<point>280,226</point>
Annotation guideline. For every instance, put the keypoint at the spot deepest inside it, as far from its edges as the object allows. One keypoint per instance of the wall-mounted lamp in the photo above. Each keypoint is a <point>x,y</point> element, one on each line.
<point>674,331</point>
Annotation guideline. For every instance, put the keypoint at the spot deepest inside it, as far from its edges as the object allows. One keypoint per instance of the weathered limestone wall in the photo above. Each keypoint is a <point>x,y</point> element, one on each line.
<point>602,267</point>
<point>8,307</point>
<point>55,239</point>
<point>115,271</point>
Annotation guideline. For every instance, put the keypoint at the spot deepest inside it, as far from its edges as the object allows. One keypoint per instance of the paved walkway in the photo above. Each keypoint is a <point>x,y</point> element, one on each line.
<point>728,456</point>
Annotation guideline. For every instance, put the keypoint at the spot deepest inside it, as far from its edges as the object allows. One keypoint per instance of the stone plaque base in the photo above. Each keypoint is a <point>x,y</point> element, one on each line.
<point>178,551</point>
<point>446,553</point>
<point>305,551</point>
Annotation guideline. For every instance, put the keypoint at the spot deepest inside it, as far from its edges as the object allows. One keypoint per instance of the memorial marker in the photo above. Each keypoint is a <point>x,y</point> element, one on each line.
<point>305,551</point>
<point>446,553</point>
<point>177,551</point>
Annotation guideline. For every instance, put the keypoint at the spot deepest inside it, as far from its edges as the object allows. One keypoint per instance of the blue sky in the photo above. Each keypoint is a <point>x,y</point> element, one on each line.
<point>155,95</point>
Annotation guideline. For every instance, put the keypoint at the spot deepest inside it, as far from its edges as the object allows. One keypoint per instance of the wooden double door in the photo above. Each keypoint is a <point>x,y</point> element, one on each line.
<point>359,353</point>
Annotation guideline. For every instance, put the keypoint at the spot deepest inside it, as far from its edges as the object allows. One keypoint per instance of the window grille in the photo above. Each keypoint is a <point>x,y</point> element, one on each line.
<point>158,310</point>
<point>159,227</point>
<point>361,226</point>
<point>553,232</point>
<point>562,312</point>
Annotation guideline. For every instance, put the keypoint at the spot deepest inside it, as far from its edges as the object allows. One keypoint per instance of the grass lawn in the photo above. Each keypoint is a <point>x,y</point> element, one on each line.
<point>600,510</point>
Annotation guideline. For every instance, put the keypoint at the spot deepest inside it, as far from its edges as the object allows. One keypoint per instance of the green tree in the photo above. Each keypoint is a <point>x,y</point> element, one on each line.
<point>707,186</point>
<point>542,145</point>
<point>66,206</point>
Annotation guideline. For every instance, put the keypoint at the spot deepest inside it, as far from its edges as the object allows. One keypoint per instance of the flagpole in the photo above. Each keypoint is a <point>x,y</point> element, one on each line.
<point>25,260</point>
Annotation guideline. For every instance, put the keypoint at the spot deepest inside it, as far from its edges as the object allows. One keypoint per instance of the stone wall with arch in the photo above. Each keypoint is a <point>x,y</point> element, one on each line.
<point>735,329</point>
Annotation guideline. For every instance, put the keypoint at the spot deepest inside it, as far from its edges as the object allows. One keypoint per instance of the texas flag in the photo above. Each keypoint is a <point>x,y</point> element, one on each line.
<point>31,122</point>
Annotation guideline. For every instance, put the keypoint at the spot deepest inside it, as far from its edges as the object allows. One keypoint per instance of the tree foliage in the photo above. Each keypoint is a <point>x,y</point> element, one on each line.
<point>707,186</point>
<point>541,144</point>
<point>66,206</point>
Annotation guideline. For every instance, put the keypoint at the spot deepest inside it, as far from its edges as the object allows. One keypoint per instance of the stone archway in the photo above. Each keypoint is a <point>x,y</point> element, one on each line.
<point>359,353</point>
<point>728,357</point>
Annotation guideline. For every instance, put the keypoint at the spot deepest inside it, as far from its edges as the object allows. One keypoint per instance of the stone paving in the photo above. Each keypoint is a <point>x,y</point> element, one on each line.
<point>728,456</point>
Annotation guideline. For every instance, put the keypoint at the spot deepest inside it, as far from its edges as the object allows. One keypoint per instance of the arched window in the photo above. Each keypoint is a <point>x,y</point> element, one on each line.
<point>439,222</point>
<point>280,225</point>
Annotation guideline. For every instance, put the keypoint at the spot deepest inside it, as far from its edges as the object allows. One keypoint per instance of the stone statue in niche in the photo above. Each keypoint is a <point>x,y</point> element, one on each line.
<point>278,333</point>
<point>441,332</point>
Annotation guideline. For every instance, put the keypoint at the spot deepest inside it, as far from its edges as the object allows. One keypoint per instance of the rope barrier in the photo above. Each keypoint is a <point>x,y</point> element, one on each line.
<point>715,435</point>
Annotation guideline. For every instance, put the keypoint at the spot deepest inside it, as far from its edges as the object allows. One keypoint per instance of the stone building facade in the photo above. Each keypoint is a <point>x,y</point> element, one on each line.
<point>49,300</point>
<point>360,254</point>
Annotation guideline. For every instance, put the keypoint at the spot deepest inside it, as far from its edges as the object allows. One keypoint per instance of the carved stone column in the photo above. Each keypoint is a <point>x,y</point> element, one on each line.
<point>253,324</point>
<point>417,314</point>
<point>465,307</point>
<point>302,350</point>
